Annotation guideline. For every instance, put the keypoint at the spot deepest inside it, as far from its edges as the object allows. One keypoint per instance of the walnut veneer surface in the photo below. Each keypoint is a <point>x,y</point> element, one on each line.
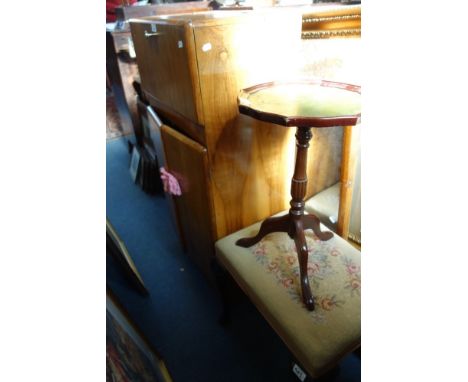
<point>192,69</point>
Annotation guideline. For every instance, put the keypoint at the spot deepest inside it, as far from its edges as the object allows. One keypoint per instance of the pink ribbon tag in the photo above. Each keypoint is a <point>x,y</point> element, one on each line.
<point>170,183</point>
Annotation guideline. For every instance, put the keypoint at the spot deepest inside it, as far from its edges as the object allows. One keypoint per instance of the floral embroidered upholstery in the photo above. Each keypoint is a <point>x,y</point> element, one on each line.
<point>268,272</point>
<point>279,258</point>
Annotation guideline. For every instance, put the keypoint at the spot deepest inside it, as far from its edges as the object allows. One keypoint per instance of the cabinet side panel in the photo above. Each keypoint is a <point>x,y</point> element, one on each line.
<point>252,161</point>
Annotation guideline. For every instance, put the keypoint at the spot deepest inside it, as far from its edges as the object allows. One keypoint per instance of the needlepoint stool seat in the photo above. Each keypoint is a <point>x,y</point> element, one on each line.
<point>268,274</point>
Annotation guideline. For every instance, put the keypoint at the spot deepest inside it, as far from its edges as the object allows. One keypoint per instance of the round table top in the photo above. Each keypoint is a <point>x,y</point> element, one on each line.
<point>306,103</point>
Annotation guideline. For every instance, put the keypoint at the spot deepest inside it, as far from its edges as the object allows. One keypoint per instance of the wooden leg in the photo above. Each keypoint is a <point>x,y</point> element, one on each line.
<point>303,255</point>
<point>274,224</point>
<point>348,167</point>
<point>312,222</point>
<point>295,222</point>
<point>221,277</point>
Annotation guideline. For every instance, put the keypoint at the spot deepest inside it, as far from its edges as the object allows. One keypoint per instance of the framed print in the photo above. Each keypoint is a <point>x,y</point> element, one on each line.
<point>135,164</point>
<point>129,356</point>
<point>118,250</point>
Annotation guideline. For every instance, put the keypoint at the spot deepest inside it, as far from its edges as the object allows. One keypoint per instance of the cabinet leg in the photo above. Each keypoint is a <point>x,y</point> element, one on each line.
<point>221,277</point>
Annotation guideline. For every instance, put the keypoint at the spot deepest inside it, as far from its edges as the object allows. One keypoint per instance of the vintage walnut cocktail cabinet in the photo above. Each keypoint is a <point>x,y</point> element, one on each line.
<point>233,170</point>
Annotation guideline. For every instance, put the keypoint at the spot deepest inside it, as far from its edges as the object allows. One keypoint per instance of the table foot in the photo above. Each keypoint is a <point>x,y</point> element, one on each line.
<point>270,225</point>
<point>312,222</point>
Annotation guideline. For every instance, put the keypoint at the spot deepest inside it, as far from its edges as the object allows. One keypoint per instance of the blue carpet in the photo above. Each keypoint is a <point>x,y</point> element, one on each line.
<point>180,316</point>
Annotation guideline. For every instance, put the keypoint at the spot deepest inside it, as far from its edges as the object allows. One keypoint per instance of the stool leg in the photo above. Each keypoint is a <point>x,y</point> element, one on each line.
<point>221,277</point>
<point>303,255</point>
<point>274,224</point>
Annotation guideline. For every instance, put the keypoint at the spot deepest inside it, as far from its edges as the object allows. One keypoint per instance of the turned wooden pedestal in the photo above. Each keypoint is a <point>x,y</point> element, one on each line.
<point>304,104</point>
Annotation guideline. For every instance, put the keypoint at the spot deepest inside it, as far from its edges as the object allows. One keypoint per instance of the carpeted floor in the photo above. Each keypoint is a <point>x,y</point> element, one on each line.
<point>180,315</point>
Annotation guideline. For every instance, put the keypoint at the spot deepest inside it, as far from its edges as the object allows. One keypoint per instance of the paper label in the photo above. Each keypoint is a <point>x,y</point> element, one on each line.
<point>299,373</point>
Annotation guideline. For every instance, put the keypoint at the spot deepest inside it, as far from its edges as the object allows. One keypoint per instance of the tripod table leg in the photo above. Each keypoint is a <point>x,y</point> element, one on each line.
<point>270,225</point>
<point>303,254</point>
<point>312,222</point>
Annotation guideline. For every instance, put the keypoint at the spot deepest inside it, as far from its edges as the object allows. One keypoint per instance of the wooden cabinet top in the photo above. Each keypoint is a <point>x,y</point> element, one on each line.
<point>318,21</point>
<point>214,18</point>
<point>129,12</point>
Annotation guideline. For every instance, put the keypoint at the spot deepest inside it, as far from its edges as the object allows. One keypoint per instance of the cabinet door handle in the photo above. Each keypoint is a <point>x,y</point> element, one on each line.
<point>152,34</point>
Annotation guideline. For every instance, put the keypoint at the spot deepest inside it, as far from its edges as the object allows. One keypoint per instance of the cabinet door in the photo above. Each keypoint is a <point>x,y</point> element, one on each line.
<point>187,161</point>
<point>163,60</point>
<point>151,123</point>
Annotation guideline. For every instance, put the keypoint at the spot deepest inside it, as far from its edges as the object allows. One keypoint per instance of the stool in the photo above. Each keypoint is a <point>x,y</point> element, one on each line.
<point>268,274</point>
<point>304,104</point>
